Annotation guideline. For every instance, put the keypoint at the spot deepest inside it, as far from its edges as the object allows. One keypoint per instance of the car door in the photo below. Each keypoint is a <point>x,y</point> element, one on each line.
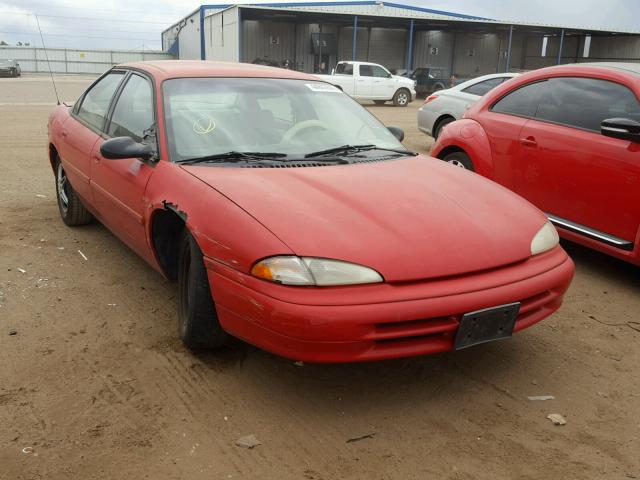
<point>383,86</point>
<point>118,186</point>
<point>502,122</point>
<point>82,130</point>
<point>364,81</point>
<point>573,172</point>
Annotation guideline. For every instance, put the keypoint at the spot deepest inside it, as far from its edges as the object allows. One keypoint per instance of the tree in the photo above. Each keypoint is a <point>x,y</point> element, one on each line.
<point>3,43</point>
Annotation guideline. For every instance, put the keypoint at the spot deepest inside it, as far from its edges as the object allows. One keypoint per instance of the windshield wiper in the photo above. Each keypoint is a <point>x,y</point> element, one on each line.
<point>234,156</point>
<point>349,149</point>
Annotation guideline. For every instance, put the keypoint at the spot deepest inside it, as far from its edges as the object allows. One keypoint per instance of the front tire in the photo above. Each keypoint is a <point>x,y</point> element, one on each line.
<point>402,98</point>
<point>459,159</point>
<point>198,324</point>
<point>72,211</point>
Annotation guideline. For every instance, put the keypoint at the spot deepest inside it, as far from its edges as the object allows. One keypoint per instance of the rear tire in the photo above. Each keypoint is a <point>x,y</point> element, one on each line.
<point>198,324</point>
<point>440,125</point>
<point>459,159</point>
<point>72,211</point>
<point>402,98</point>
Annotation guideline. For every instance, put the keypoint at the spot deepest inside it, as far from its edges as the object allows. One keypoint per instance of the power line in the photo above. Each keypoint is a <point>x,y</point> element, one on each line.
<point>81,36</point>
<point>146,12</point>
<point>68,17</point>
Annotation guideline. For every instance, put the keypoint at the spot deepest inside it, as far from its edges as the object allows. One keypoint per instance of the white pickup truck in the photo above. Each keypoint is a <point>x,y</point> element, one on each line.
<point>370,81</point>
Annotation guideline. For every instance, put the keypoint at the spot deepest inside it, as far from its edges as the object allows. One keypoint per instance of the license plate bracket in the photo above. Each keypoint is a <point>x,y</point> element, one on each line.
<point>486,325</point>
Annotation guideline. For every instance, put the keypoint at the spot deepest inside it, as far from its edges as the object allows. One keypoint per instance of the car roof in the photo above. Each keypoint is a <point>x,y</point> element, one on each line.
<point>482,78</point>
<point>587,67</point>
<point>164,69</point>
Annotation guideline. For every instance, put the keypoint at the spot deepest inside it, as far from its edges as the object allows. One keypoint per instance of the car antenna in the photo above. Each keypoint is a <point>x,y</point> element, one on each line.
<point>46,55</point>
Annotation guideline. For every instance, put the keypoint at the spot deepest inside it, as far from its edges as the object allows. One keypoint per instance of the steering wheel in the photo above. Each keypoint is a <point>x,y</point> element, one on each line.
<point>298,127</point>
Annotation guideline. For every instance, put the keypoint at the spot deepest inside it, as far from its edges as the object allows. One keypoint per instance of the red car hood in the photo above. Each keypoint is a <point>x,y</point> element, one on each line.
<point>409,219</point>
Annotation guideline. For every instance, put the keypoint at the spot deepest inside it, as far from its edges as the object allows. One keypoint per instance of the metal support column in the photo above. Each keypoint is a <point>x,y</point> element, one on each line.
<point>507,64</point>
<point>410,48</point>
<point>203,55</point>
<point>355,37</point>
<point>240,57</point>
<point>560,47</point>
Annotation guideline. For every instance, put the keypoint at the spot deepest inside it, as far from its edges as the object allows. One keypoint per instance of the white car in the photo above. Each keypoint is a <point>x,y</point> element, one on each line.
<point>370,81</point>
<point>445,106</point>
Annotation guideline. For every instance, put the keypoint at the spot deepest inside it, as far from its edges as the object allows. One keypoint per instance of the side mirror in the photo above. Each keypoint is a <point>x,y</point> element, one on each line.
<point>622,128</point>
<point>397,132</point>
<point>126,147</point>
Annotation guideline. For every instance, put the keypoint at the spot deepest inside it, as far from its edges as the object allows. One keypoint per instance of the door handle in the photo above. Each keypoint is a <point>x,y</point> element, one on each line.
<point>529,142</point>
<point>64,134</point>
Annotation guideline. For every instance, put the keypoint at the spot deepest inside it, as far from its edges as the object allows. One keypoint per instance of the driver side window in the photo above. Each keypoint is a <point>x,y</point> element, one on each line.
<point>380,72</point>
<point>133,113</point>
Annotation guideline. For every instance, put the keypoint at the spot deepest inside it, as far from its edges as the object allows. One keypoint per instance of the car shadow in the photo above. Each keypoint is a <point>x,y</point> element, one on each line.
<point>613,270</point>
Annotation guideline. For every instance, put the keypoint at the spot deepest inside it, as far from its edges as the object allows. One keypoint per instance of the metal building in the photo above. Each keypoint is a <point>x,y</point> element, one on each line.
<point>313,36</point>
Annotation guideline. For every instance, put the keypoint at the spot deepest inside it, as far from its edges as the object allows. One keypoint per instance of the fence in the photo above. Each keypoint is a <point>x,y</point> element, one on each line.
<point>62,60</point>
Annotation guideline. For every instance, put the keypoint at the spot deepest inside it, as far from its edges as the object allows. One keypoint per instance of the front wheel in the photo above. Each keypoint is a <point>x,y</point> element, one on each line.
<point>459,159</point>
<point>72,211</point>
<point>402,98</point>
<point>198,324</point>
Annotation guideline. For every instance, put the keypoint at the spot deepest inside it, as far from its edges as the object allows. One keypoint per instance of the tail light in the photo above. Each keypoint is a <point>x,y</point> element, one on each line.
<point>430,99</point>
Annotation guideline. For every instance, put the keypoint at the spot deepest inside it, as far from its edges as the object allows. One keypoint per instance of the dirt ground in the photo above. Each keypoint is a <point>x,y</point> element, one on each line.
<point>94,384</point>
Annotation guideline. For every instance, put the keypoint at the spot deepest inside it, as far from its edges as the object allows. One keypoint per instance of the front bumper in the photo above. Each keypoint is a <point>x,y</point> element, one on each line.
<point>374,322</point>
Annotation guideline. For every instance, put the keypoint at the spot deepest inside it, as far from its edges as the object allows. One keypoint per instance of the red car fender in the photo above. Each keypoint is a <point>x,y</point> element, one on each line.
<point>468,136</point>
<point>225,233</point>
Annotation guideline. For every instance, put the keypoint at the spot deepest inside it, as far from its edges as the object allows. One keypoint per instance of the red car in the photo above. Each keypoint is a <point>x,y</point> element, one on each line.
<point>568,140</point>
<point>292,219</point>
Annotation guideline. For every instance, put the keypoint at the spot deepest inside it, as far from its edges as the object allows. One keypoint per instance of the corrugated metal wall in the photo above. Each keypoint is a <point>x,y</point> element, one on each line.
<point>433,49</point>
<point>33,59</point>
<point>388,47</point>
<point>222,36</point>
<point>275,41</point>
<point>189,38</point>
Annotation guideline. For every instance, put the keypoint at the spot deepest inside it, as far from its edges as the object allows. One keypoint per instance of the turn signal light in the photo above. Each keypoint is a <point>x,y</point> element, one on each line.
<point>430,99</point>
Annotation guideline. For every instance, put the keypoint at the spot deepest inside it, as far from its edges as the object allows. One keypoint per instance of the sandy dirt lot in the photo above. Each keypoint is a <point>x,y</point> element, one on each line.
<point>94,384</point>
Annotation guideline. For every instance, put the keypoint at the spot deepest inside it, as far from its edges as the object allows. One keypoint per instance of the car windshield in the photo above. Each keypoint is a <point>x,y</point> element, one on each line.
<point>212,116</point>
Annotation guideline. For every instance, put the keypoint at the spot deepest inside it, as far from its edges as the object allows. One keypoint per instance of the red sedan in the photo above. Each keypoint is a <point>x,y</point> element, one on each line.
<point>568,140</point>
<point>292,219</point>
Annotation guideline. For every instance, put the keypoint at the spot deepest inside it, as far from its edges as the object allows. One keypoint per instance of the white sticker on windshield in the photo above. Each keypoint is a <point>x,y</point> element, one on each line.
<point>322,87</point>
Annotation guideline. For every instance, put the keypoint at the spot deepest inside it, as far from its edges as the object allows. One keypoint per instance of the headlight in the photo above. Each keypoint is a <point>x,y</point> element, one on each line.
<point>545,239</point>
<point>310,271</point>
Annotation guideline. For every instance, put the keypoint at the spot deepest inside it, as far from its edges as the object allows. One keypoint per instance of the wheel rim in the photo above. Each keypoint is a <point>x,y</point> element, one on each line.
<point>402,98</point>
<point>63,189</point>
<point>457,163</point>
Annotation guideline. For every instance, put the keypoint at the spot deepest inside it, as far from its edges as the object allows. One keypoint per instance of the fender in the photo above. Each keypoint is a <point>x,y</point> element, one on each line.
<point>468,136</point>
<point>225,232</point>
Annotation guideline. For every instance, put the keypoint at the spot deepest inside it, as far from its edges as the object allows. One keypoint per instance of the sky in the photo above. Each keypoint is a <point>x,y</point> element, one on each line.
<point>135,25</point>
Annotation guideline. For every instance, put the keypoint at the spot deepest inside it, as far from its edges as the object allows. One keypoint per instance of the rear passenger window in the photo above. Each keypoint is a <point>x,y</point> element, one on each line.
<point>344,69</point>
<point>521,102</point>
<point>95,103</point>
<point>482,88</point>
<point>585,102</point>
